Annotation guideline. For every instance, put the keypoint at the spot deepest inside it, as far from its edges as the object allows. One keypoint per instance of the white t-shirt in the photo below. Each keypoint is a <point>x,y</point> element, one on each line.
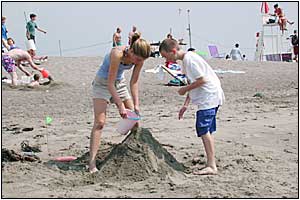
<point>235,54</point>
<point>209,95</point>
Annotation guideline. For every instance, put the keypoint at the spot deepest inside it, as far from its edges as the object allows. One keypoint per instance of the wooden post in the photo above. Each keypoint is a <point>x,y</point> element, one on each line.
<point>60,52</point>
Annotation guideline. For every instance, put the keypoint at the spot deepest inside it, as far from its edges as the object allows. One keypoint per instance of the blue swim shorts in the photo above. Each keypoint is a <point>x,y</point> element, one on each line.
<point>206,121</point>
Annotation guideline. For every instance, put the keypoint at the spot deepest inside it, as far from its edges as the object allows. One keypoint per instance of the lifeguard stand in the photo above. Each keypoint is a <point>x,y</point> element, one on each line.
<point>272,44</point>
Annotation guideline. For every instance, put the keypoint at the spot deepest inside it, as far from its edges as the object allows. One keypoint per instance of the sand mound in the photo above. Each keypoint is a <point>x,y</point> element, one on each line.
<point>137,158</point>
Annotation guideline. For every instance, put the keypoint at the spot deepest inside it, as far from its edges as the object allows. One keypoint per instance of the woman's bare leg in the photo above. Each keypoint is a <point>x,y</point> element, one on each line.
<point>100,106</point>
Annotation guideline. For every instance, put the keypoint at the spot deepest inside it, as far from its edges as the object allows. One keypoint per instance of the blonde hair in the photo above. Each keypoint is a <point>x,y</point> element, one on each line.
<point>168,44</point>
<point>140,46</point>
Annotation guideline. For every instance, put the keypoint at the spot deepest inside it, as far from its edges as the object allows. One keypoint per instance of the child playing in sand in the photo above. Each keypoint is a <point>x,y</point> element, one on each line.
<point>36,81</point>
<point>204,90</point>
<point>13,59</point>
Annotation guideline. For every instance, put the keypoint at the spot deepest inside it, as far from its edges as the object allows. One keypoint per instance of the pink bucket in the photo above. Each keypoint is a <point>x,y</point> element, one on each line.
<point>125,125</point>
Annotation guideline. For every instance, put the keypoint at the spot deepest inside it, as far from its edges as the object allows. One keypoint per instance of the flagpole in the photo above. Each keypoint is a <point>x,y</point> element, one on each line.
<point>25,17</point>
<point>189,28</point>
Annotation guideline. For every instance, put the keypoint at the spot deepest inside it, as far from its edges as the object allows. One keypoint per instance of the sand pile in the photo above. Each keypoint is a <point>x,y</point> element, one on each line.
<point>137,158</point>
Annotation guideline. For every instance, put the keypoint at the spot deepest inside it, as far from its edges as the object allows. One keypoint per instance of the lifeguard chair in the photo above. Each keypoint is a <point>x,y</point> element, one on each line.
<point>271,44</point>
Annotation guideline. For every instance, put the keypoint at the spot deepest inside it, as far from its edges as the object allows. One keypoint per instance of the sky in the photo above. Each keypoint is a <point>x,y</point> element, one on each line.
<point>91,24</point>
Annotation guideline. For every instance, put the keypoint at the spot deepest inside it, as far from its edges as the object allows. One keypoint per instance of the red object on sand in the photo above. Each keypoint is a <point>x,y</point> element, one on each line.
<point>65,158</point>
<point>45,73</point>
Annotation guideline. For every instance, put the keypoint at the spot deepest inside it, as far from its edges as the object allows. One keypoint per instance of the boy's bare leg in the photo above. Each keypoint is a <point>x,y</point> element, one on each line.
<point>14,78</point>
<point>211,167</point>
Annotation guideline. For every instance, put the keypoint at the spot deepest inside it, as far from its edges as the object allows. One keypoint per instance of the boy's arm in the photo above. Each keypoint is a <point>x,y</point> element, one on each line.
<point>27,34</point>
<point>184,107</point>
<point>187,101</point>
<point>198,83</point>
<point>31,63</point>
<point>41,30</point>
<point>18,63</point>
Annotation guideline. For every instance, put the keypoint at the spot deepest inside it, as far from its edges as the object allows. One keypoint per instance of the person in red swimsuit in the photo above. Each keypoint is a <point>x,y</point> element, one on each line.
<point>282,20</point>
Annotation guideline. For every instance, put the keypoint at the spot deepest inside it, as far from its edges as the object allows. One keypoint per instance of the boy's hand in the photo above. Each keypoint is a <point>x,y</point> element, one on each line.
<point>182,91</point>
<point>181,112</point>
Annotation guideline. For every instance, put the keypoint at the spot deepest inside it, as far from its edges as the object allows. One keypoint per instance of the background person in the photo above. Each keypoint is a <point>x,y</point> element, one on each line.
<point>31,26</point>
<point>117,39</point>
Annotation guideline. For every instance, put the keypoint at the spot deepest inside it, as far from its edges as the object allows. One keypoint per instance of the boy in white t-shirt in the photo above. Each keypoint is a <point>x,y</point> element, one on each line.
<point>204,90</point>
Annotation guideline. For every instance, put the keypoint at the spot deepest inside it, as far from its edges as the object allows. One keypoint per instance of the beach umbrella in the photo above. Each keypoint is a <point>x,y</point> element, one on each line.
<point>264,8</point>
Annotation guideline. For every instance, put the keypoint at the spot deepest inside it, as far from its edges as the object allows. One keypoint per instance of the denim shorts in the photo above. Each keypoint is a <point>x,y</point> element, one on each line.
<point>206,121</point>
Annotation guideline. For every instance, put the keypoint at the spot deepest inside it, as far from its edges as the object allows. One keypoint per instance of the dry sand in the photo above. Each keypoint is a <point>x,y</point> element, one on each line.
<point>256,140</point>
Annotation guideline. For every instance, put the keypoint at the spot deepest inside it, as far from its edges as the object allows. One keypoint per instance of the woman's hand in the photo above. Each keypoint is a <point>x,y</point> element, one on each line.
<point>122,110</point>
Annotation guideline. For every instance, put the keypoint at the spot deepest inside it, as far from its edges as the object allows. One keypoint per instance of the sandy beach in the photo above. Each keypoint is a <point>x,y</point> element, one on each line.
<point>256,140</point>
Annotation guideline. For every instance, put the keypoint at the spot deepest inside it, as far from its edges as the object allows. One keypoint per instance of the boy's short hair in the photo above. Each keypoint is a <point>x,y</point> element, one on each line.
<point>168,44</point>
<point>36,77</point>
<point>276,5</point>
<point>3,18</point>
<point>237,45</point>
<point>32,15</point>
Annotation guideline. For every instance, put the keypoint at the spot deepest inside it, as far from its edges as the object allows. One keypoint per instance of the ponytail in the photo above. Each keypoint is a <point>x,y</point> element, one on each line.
<point>135,37</point>
<point>140,46</point>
